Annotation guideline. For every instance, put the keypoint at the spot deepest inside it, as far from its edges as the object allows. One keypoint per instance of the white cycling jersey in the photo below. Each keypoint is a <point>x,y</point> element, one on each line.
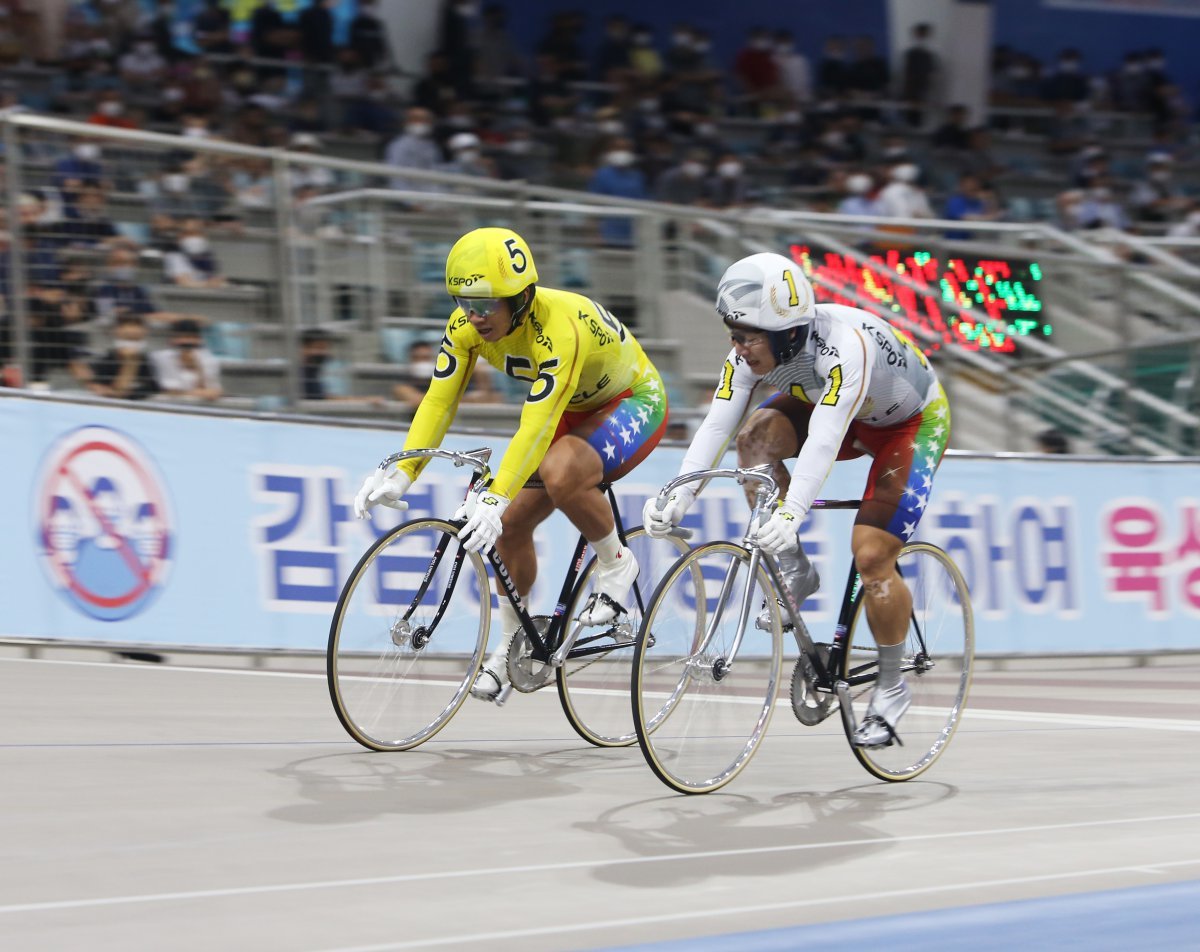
<point>852,366</point>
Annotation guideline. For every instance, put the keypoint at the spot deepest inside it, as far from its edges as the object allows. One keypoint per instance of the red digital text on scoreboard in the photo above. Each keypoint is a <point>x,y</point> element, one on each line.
<point>934,292</point>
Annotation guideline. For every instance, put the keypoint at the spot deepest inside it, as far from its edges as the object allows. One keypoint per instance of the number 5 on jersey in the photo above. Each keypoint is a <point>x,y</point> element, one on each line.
<point>521,368</point>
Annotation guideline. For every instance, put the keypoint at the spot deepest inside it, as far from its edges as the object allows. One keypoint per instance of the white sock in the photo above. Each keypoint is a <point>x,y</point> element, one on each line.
<point>608,548</point>
<point>510,621</point>
<point>890,659</point>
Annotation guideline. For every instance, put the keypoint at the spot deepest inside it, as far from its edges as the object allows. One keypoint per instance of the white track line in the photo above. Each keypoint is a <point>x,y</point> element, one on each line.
<point>584,864</point>
<point>764,907</point>
<point>970,712</point>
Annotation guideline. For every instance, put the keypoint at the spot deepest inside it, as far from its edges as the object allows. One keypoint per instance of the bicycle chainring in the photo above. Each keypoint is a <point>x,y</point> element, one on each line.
<point>527,674</point>
<point>809,707</point>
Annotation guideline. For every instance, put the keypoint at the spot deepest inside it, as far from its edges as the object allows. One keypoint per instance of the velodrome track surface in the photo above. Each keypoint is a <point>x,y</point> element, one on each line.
<point>166,807</point>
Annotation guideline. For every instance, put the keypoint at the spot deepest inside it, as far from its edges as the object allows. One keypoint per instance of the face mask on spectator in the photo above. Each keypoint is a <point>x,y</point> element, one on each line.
<point>111,108</point>
<point>905,173</point>
<point>176,182</point>
<point>421,369</point>
<point>196,132</point>
<point>692,169</point>
<point>858,184</point>
<point>706,130</point>
<point>172,94</point>
<point>729,169</point>
<point>620,158</point>
<point>124,273</point>
<point>468,155</point>
<point>194,245</point>
<point>88,151</point>
<point>420,129</point>
<point>130,346</point>
<point>612,127</point>
<point>520,146</point>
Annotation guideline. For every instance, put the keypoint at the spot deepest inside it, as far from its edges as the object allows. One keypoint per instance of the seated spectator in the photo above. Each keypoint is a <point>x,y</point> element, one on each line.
<point>142,69</point>
<point>58,339</point>
<point>466,157</point>
<point>82,167</point>
<point>316,347</point>
<point>728,186</point>
<point>953,134</point>
<point>858,199</point>
<point>415,149</point>
<point>124,371</point>
<point>755,69</point>
<point>795,76</point>
<point>524,155</point>
<point>187,368</point>
<point>644,60</point>
<point>903,197</point>
<point>110,111</point>
<point>1157,197</point>
<point>620,177</point>
<point>368,37</point>
<point>684,184</point>
<point>192,264</point>
<point>1101,207</point>
<point>970,202</point>
<point>86,224</point>
<point>119,294</point>
<point>421,361</point>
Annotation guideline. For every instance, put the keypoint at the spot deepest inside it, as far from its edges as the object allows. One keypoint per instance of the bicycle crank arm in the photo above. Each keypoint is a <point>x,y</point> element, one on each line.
<point>842,689</point>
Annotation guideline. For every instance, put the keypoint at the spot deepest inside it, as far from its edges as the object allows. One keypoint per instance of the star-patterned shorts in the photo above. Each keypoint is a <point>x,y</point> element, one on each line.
<point>906,456</point>
<point>625,429</point>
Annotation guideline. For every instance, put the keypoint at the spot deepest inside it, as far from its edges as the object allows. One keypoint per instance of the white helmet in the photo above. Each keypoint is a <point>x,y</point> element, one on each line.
<point>767,292</point>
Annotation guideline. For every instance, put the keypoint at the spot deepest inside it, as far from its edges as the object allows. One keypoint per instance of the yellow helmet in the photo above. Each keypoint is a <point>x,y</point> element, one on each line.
<point>489,263</point>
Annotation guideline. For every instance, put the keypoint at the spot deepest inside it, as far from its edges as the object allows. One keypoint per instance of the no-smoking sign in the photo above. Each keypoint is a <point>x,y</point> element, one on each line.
<point>104,523</point>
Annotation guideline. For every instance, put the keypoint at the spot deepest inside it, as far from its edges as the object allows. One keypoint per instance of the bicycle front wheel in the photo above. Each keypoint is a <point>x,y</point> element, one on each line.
<point>938,662</point>
<point>408,636</point>
<point>701,710</point>
<point>593,683</point>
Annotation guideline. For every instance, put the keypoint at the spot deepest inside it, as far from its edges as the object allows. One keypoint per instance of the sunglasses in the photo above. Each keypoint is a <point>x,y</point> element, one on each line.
<point>484,307</point>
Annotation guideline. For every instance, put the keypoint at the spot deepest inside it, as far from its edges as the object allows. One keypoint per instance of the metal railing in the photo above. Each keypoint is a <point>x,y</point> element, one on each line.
<point>307,240</point>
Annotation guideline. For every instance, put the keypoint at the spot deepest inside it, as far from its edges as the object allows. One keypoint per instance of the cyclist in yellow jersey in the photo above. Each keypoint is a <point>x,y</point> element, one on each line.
<point>596,407</point>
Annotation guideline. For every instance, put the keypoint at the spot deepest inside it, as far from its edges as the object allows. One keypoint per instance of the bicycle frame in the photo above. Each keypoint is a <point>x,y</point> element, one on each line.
<point>541,646</point>
<point>825,680</point>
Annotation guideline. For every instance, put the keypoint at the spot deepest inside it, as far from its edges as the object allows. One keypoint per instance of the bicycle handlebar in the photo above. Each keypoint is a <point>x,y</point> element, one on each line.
<point>760,474</point>
<point>476,459</point>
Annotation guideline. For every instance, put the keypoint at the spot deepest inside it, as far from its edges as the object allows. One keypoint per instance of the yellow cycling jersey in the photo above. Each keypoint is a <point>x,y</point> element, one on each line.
<point>572,352</point>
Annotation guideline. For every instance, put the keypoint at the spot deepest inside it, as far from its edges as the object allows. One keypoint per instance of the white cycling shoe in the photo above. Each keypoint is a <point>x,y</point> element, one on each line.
<point>492,681</point>
<point>878,728</point>
<point>613,583</point>
<point>800,578</point>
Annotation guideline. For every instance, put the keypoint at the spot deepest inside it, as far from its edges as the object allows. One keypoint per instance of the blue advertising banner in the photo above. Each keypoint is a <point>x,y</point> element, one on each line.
<point>153,527</point>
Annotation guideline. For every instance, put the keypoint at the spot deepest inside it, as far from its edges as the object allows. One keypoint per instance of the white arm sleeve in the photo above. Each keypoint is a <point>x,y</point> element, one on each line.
<point>847,377</point>
<point>732,397</point>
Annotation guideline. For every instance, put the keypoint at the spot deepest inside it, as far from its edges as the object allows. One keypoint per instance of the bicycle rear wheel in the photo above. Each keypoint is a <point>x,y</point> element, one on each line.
<point>938,662</point>
<point>700,712</point>
<point>407,636</point>
<point>593,683</point>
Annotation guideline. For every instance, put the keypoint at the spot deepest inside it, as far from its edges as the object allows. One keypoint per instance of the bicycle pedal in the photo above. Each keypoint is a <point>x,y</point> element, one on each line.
<point>502,695</point>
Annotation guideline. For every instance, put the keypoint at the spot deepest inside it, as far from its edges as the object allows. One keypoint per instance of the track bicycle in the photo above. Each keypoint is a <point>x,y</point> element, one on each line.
<point>707,667</point>
<point>410,630</point>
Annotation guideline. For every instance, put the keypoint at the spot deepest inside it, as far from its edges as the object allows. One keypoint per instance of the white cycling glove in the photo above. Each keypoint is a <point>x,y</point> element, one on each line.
<point>660,522</point>
<point>482,510</point>
<point>382,489</point>
<point>778,535</point>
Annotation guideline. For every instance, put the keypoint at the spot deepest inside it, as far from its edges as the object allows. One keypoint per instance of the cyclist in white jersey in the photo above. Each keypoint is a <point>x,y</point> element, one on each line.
<point>847,383</point>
